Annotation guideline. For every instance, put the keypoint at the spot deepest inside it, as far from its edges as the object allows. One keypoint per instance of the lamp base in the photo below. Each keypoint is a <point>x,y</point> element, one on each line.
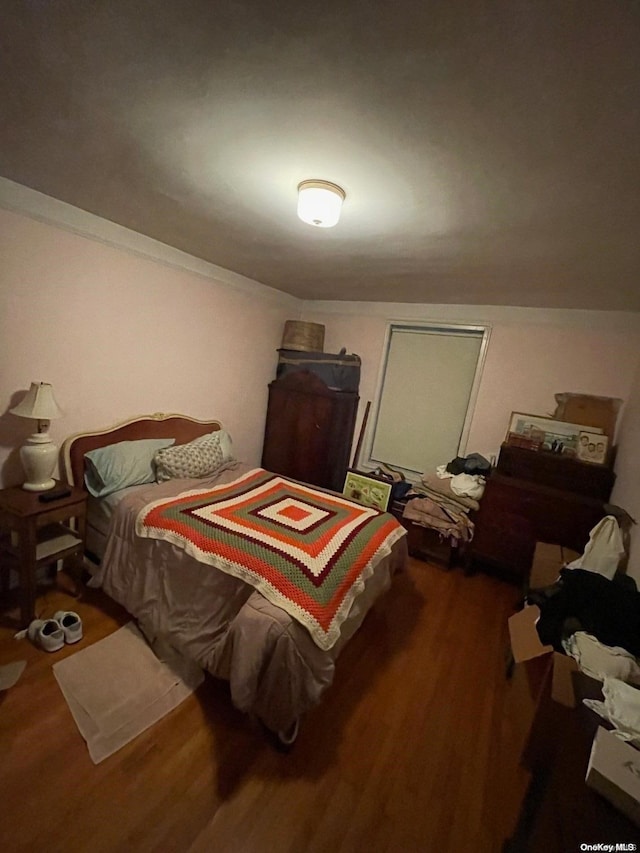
<point>39,487</point>
<point>39,456</point>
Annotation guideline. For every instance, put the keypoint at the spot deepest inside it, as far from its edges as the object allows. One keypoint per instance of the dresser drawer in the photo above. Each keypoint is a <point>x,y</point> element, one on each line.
<point>558,472</point>
<point>505,541</point>
<point>514,514</point>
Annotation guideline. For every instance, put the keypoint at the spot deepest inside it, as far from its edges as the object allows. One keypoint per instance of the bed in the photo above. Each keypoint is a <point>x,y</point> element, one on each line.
<point>195,595</point>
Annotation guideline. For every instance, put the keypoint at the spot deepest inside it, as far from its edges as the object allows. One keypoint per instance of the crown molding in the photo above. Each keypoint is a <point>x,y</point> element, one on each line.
<point>36,205</point>
<point>480,314</point>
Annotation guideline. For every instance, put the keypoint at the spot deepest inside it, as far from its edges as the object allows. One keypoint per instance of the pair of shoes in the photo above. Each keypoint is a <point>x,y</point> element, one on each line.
<point>52,634</point>
<point>71,624</point>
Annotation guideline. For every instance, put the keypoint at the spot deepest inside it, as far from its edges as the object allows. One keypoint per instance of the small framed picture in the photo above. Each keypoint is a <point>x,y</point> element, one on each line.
<point>592,447</point>
<point>539,432</point>
<point>369,491</point>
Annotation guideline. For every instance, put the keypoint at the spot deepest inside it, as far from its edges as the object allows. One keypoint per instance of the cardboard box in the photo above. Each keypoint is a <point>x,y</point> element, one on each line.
<point>547,561</point>
<point>526,645</point>
<point>614,772</point>
<point>588,410</point>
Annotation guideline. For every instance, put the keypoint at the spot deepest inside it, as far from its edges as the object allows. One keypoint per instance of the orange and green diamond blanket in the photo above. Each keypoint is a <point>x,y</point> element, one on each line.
<point>307,551</point>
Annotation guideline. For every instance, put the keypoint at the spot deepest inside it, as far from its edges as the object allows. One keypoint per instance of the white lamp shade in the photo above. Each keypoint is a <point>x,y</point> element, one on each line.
<point>38,403</point>
<point>320,203</point>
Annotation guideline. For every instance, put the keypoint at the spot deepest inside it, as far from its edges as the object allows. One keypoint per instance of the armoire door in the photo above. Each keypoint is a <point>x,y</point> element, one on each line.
<point>309,430</point>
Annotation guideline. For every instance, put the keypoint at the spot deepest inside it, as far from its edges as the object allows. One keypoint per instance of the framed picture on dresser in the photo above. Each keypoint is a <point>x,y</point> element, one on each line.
<point>592,447</point>
<point>546,433</point>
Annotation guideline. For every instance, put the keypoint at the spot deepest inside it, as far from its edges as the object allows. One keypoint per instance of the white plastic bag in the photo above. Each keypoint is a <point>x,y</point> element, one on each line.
<point>604,550</point>
<point>621,707</point>
<point>600,661</point>
<point>468,485</point>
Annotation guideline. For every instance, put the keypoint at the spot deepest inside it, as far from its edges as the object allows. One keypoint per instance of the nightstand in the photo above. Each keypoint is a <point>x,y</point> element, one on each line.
<point>426,543</point>
<point>35,534</point>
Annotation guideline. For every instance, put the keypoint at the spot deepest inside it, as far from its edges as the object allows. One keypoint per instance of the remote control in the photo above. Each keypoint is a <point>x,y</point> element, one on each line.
<point>54,495</point>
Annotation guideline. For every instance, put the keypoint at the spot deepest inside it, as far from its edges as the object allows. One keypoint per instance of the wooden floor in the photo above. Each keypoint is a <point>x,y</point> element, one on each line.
<point>414,748</point>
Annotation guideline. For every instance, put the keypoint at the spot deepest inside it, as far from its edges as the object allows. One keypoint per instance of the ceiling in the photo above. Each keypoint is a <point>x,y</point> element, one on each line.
<point>490,151</point>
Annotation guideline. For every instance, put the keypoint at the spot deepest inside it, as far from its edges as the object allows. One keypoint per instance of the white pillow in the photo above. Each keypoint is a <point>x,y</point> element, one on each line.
<point>201,457</point>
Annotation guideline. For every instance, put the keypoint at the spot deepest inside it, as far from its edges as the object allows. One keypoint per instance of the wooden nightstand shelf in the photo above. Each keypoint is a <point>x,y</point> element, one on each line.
<point>425,543</point>
<point>35,534</point>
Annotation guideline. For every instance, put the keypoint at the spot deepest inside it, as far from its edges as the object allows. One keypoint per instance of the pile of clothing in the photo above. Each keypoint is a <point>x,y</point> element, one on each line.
<point>443,500</point>
<point>592,613</point>
<point>583,601</point>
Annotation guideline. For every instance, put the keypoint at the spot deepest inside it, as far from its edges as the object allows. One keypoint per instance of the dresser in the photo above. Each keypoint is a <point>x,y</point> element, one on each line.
<point>309,430</point>
<point>536,496</point>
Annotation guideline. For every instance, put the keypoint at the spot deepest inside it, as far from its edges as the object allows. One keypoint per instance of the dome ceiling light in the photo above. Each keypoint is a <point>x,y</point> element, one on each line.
<point>320,203</point>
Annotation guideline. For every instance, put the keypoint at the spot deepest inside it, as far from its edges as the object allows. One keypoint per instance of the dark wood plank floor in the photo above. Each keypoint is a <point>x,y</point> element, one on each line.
<point>414,748</point>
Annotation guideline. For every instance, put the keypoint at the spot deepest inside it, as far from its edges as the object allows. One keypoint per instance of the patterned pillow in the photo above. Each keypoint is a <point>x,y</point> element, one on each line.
<point>201,457</point>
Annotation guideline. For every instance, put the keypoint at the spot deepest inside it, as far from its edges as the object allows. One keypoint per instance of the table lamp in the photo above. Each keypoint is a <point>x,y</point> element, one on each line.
<point>39,454</point>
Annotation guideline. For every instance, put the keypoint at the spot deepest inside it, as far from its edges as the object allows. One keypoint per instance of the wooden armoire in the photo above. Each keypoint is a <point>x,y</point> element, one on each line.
<point>309,430</point>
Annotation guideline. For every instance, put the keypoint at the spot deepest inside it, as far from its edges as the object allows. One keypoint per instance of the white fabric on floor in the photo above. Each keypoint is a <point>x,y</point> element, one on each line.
<point>117,688</point>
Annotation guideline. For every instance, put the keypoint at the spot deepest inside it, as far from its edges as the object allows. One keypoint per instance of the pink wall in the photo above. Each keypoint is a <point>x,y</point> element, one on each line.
<point>119,335</point>
<point>626,492</point>
<point>532,355</point>
<point>527,365</point>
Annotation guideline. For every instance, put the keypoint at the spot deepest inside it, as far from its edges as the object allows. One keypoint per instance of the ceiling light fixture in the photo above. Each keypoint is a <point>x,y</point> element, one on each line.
<point>320,203</point>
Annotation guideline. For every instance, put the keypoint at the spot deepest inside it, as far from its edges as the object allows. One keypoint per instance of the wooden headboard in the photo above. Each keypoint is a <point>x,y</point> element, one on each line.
<point>180,427</point>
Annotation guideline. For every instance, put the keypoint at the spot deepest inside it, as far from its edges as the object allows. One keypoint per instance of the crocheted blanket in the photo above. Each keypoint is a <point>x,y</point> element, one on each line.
<point>308,552</point>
